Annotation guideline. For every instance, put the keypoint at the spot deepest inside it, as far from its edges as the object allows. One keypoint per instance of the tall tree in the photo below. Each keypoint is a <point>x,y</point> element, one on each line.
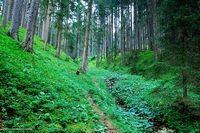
<point>60,17</point>
<point>6,7</point>
<point>78,29</point>
<point>122,31</point>
<point>77,36</point>
<point>179,22</point>
<point>87,36</point>
<point>13,32</point>
<point>48,19</point>
<point>27,44</point>
<point>24,13</point>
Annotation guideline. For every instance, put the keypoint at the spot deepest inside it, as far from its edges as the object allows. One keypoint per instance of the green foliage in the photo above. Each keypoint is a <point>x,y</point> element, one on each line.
<point>40,92</point>
<point>156,99</point>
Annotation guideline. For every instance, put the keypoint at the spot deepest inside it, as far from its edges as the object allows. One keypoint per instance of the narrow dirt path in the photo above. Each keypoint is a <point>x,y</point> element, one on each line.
<point>104,119</point>
<point>109,127</point>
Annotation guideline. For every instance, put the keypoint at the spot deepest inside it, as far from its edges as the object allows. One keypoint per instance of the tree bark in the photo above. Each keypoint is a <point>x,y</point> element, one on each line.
<point>122,32</point>
<point>59,29</point>
<point>184,73</point>
<point>135,26</point>
<point>87,36</point>
<point>77,36</point>
<point>13,32</point>
<point>48,19</point>
<point>6,4</point>
<point>98,47</point>
<point>10,14</point>
<point>59,36</point>
<point>23,14</point>
<point>27,44</point>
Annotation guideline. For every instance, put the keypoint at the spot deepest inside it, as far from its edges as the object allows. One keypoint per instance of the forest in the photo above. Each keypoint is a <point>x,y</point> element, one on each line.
<point>99,66</point>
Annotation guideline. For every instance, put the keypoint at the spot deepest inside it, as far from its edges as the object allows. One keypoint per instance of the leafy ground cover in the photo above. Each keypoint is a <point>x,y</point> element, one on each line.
<point>42,93</point>
<point>154,91</point>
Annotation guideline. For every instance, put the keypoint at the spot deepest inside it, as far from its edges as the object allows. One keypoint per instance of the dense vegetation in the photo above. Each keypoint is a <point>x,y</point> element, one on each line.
<point>41,93</point>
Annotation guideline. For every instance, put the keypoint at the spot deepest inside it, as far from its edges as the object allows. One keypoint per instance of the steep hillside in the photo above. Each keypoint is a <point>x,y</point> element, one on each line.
<point>153,90</point>
<point>41,93</point>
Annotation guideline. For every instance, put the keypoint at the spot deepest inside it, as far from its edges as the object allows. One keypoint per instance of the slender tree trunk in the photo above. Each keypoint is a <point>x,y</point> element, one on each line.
<point>122,32</point>
<point>10,14</point>
<point>48,20</point>
<point>59,31</point>
<point>51,35</point>
<point>184,75</point>
<point>131,36</point>
<point>23,14</point>
<point>13,32</point>
<point>43,29</point>
<point>135,26</point>
<point>87,36</point>
<point>98,47</point>
<point>27,44</point>
<point>116,39</point>
<point>127,29</point>
<point>77,36</point>
<point>59,36</point>
<point>6,7</point>
<point>155,15</point>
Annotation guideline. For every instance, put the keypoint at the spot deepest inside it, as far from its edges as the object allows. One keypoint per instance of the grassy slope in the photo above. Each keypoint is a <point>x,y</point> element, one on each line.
<point>43,93</point>
<point>160,96</point>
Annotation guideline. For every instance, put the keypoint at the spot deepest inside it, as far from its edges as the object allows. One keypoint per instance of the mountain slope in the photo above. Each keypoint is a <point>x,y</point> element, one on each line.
<point>41,92</point>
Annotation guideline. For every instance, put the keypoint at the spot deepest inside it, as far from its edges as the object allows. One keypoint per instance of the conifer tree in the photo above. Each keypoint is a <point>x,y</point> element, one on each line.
<point>87,36</point>
<point>13,32</point>
<point>27,44</point>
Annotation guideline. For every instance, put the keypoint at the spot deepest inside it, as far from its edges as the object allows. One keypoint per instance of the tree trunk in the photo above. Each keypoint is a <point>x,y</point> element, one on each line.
<point>59,30</point>
<point>122,32</point>
<point>27,44</point>
<point>155,15</point>
<point>13,32</point>
<point>43,30</point>
<point>51,35</point>
<point>87,36</point>
<point>131,36</point>
<point>6,7</point>
<point>98,47</point>
<point>48,19</point>
<point>10,14</point>
<point>135,26</point>
<point>184,75</point>
<point>23,14</point>
<point>116,39</point>
<point>77,37</point>
<point>59,36</point>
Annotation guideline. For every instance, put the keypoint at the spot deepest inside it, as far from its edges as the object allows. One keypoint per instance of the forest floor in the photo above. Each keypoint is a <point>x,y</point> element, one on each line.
<point>109,128</point>
<point>157,127</point>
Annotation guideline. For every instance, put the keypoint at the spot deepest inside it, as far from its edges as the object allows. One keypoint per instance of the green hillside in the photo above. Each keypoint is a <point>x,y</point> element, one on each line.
<point>41,93</point>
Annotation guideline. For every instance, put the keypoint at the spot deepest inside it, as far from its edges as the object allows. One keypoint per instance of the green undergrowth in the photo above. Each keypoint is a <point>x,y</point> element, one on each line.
<point>139,102</point>
<point>41,93</point>
<point>154,91</point>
